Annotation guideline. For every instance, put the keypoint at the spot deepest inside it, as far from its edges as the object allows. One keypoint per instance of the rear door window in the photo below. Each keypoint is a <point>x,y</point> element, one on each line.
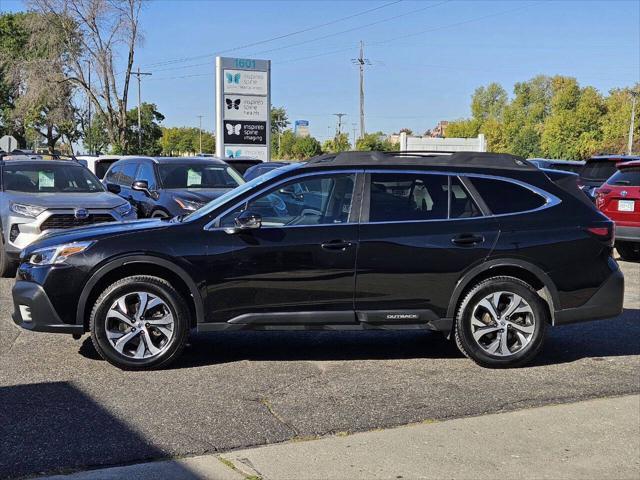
<point>396,197</point>
<point>146,174</point>
<point>598,169</point>
<point>504,197</point>
<point>128,174</point>
<point>626,176</point>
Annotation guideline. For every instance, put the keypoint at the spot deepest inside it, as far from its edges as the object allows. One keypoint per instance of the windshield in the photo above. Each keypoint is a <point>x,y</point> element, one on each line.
<point>41,178</point>
<point>598,170</point>
<point>184,175</point>
<point>236,192</point>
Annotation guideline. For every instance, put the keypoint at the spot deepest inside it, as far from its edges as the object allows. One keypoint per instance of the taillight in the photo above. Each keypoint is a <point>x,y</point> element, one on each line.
<point>605,233</point>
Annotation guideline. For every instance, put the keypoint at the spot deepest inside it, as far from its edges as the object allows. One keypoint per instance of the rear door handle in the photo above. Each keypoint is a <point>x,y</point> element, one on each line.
<point>341,245</point>
<point>467,239</point>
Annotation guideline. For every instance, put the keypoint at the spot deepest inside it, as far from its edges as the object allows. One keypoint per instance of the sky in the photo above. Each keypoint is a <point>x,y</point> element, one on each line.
<point>427,57</point>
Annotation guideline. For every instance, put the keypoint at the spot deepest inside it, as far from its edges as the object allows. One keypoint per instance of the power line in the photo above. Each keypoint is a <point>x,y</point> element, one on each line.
<point>279,37</point>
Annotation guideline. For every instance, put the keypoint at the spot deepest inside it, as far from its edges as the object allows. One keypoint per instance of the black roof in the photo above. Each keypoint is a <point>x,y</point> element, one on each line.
<point>183,160</point>
<point>502,161</point>
<point>39,162</point>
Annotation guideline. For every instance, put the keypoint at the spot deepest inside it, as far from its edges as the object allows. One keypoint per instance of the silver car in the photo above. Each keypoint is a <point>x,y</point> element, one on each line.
<point>42,196</point>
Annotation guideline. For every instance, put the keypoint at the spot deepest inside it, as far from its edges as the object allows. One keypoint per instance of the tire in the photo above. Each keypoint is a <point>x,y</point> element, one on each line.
<point>629,251</point>
<point>162,342</point>
<point>525,327</point>
<point>7,267</point>
<point>160,214</point>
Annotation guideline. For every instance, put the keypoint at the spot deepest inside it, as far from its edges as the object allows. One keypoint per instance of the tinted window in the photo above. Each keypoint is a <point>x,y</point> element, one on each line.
<point>50,179</point>
<point>506,197</point>
<point>128,174</point>
<point>174,175</point>
<point>598,170</point>
<point>570,167</point>
<point>102,166</point>
<point>405,197</point>
<point>319,200</point>
<point>114,174</point>
<point>146,173</point>
<point>626,176</point>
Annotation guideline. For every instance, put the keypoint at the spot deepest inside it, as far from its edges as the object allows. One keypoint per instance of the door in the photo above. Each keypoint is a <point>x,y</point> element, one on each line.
<point>125,179</point>
<point>419,232</point>
<point>298,268</point>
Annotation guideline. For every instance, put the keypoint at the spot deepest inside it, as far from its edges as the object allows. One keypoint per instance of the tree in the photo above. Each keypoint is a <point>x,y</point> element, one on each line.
<point>488,102</point>
<point>463,128</point>
<point>101,27</point>
<point>375,142</point>
<point>306,147</point>
<point>279,120</point>
<point>614,123</point>
<point>339,143</point>
<point>151,131</point>
<point>186,140</point>
<point>406,130</point>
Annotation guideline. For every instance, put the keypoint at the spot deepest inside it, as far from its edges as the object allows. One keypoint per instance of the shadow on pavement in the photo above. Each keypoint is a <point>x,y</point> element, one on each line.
<point>616,337</point>
<point>54,427</point>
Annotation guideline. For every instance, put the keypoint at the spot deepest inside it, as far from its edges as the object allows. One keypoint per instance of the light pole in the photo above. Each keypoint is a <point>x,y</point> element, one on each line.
<point>634,97</point>
<point>200,128</point>
<point>138,73</point>
<point>89,112</point>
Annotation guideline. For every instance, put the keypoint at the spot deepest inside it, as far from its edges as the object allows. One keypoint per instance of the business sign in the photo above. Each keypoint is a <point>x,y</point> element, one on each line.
<point>301,128</point>
<point>235,151</point>
<point>245,133</point>
<point>243,105</point>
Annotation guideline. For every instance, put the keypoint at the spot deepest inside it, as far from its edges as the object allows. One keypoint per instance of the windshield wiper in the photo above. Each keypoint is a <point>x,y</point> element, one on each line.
<point>621,182</point>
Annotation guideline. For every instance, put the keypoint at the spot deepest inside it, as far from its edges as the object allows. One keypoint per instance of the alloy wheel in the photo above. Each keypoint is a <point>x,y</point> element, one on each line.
<point>139,325</point>
<point>502,323</point>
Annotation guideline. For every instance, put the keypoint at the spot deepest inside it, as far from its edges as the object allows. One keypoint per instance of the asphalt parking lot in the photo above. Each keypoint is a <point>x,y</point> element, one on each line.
<point>62,408</point>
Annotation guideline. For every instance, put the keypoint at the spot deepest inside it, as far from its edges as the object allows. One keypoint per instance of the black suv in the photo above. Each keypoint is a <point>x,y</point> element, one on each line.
<point>484,247</point>
<point>163,187</point>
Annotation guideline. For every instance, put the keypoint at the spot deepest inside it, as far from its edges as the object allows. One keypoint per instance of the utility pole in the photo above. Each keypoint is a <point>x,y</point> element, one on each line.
<point>339,126</point>
<point>353,125</point>
<point>89,105</point>
<point>361,62</point>
<point>138,73</point>
<point>634,97</point>
<point>200,128</point>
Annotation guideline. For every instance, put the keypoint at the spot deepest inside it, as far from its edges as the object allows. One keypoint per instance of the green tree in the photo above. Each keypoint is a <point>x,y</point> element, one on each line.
<point>279,120</point>
<point>306,147</point>
<point>488,102</point>
<point>614,124</point>
<point>468,128</point>
<point>151,132</point>
<point>339,143</point>
<point>287,141</point>
<point>186,140</point>
<point>375,142</point>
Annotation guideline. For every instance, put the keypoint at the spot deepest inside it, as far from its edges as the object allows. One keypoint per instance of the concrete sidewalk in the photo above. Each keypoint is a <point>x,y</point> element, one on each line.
<point>590,439</point>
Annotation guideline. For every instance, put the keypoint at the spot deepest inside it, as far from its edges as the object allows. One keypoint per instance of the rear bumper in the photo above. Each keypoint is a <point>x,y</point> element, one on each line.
<point>605,303</point>
<point>33,310</point>
<point>628,234</point>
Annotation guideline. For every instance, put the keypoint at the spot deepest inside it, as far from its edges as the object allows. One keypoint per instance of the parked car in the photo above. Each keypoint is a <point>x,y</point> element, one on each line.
<point>242,164</point>
<point>564,165</point>
<point>619,199</point>
<point>42,196</point>
<point>98,164</point>
<point>261,169</point>
<point>163,187</point>
<point>486,248</point>
<point>598,169</point>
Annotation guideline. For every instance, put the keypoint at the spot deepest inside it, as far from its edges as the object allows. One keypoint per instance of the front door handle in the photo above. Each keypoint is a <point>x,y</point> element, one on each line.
<point>467,239</point>
<point>340,245</point>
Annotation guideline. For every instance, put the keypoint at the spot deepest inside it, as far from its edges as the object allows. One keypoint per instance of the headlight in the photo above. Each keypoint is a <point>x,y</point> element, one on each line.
<point>188,204</point>
<point>26,210</point>
<point>57,253</point>
<point>124,209</point>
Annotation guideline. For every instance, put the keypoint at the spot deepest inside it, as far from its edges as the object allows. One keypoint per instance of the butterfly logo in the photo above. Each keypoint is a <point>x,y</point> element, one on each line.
<point>233,129</point>
<point>232,103</point>
<point>232,154</point>
<point>231,78</point>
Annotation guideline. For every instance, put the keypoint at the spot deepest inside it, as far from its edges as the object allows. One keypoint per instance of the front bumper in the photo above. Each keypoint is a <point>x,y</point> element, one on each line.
<point>628,234</point>
<point>607,302</point>
<point>33,310</point>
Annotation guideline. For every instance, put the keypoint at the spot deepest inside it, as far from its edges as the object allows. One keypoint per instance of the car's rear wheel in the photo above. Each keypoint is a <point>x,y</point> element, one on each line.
<point>140,322</point>
<point>501,323</point>
<point>7,267</point>
<point>629,251</point>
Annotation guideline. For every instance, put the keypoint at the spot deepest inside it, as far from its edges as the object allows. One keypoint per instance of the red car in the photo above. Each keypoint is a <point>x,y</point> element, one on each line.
<point>619,199</point>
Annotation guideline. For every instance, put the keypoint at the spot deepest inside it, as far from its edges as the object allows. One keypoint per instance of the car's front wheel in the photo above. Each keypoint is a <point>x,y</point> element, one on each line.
<point>501,322</point>
<point>140,322</point>
<point>7,267</point>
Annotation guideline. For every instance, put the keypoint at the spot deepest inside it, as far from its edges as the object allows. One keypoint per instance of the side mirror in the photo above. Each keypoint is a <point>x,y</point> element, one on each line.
<point>247,220</point>
<point>141,186</point>
<point>113,188</point>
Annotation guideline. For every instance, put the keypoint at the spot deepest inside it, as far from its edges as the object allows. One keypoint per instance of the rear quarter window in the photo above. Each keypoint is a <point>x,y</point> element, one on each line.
<point>504,197</point>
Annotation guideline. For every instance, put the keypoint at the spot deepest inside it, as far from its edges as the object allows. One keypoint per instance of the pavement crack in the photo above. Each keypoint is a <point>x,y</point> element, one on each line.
<point>277,416</point>
<point>13,343</point>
